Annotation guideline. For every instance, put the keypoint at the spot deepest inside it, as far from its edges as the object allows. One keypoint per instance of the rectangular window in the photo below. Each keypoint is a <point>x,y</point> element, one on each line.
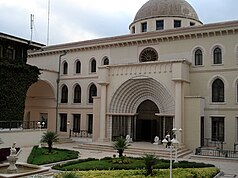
<point>144,27</point>
<point>76,123</point>
<point>177,23</point>
<point>133,30</point>
<point>63,122</point>
<point>90,123</point>
<point>159,24</point>
<point>218,129</point>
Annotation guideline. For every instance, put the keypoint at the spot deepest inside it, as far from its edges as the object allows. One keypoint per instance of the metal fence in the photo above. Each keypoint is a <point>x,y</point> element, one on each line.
<point>208,142</point>
<point>216,153</point>
<point>10,125</point>
<point>80,133</point>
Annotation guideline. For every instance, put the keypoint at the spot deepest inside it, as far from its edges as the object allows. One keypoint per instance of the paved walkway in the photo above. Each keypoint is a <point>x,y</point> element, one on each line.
<point>229,167</point>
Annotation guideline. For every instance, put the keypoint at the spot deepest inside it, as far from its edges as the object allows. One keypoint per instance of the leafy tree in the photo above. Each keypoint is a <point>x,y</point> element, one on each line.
<point>120,145</point>
<point>150,161</point>
<point>49,138</point>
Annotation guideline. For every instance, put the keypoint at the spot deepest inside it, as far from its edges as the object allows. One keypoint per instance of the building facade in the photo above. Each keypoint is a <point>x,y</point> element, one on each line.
<point>171,71</point>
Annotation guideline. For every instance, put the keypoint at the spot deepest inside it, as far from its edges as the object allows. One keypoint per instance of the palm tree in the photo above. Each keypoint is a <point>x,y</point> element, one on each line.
<point>49,138</point>
<point>120,145</point>
<point>150,161</point>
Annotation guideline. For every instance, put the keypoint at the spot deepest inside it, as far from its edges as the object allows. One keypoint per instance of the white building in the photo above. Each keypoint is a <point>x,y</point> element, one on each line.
<point>172,71</point>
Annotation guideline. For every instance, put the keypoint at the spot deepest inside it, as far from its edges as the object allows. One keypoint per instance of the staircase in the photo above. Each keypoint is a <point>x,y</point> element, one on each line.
<point>136,148</point>
<point>65,140</point>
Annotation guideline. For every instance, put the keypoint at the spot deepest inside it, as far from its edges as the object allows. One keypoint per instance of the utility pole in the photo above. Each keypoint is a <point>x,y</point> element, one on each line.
<point>32,24</point>
<point>48,25</point>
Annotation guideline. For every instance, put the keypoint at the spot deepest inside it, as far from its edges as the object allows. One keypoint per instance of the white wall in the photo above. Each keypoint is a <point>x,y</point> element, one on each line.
<point>22,138</point>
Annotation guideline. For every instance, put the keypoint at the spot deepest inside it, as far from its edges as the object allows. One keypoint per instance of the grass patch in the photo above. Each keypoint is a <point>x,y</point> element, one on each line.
<point>41,156</point>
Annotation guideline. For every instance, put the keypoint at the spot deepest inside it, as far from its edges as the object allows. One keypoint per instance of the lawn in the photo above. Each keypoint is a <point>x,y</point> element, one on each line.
<point>40,156</point>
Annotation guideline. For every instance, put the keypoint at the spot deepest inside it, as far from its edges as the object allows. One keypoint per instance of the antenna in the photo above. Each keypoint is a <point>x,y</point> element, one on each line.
<point>48,26</point>
<point>32,23</point>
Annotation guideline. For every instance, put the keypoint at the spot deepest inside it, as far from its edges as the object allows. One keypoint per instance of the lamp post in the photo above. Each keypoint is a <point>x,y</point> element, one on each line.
<point>40,125</point>
<point>68,124</point>
<point>165,142</point>
<point>174,144</point>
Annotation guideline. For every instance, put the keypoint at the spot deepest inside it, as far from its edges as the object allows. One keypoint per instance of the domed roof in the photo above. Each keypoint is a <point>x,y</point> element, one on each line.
<point>166,8</point>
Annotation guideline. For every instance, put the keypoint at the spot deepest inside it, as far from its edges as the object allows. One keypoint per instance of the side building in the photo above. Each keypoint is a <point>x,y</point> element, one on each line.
<point>15,78</point>
<point>172,71</point>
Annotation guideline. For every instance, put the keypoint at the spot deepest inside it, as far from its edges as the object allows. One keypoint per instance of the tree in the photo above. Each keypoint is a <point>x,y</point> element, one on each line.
<point>120,145</point>
<point>150,161</point>
<point>49,138</point>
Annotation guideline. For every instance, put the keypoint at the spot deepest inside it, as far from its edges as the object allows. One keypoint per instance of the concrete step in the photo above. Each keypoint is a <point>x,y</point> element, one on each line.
<point>65,140</point>
<point>159,151</point>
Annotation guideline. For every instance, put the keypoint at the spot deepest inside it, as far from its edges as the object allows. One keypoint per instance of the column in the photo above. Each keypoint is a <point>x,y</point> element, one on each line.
<point>178,107</point>
<point>102,132</point>
<point>109,128</point>
<point>129,118</point>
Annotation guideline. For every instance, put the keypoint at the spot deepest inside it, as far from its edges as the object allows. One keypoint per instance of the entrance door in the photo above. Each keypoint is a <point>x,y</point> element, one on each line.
<point>147,121</point>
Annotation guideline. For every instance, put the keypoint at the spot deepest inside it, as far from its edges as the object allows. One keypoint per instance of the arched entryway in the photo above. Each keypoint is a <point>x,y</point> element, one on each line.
<point>142,108</point>
<point>146,123</point>
<point>40,105</point>
<point>149,123</point>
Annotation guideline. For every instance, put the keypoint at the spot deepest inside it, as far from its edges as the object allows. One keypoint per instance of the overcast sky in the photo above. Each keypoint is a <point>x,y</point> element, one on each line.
<point>77,20</point>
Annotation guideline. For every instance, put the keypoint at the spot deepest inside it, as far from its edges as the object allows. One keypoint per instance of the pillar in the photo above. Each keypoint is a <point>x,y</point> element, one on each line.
<point>178,107</point>
<point>102,132</point>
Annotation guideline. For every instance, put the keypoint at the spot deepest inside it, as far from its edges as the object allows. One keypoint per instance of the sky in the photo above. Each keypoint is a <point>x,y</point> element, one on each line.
<point>79,20</point>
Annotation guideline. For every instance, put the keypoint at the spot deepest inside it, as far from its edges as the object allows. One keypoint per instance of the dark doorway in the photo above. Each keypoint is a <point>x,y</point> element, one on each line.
<point>202,131</point>
<point>147,122</point>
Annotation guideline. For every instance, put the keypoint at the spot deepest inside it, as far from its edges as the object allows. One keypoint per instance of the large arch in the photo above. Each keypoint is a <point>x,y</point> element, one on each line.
<point>134,91</point>
<point>40,105</point>
<point>134,106</point>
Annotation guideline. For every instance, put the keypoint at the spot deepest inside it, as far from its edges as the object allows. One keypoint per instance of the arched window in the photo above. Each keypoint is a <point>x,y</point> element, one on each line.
<point>78,67</point>
<point>106,61</point>
<point>198,57</point>
<point>148,54</point>
<point>217,56</point>
<point>64,94</point>
<point>218,91</point>
<point>65,68</point>
<point>93,65</point>
<point>92,92</point>
<point>77,94</point>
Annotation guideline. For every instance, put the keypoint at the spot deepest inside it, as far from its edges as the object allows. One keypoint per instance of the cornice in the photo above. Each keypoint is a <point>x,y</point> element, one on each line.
<point>230,69</point>
<point>149,38</point>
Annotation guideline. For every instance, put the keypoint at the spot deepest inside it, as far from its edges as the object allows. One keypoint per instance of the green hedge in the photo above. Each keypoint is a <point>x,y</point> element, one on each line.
<point>131,163</point>
<point>177,173</point>
<point>14,83</point>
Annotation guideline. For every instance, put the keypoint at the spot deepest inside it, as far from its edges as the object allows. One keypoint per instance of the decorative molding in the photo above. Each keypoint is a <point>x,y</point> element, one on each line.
<point>150,38</point>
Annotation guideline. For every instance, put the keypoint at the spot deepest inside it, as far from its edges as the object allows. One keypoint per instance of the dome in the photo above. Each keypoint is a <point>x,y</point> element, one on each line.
<point>166,8</point>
